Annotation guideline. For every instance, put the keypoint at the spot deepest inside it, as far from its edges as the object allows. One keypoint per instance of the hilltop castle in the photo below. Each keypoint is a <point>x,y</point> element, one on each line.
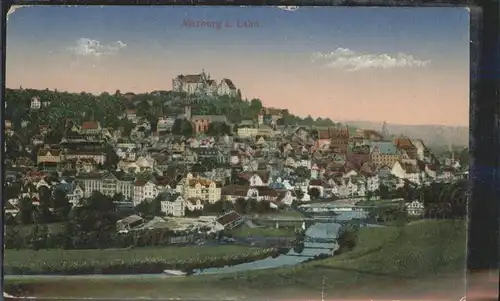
<point>203,84</point>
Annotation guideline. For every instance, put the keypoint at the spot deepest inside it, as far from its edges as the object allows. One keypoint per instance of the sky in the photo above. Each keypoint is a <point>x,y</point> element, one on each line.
<point>399,65</point>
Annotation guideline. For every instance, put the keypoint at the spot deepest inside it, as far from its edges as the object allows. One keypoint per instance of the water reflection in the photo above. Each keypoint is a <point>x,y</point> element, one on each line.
<point>311,249</point>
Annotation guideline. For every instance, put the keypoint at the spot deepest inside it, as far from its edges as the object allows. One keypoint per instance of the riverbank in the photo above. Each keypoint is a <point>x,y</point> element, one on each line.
<point>384,259</point>
<point>128,261</point>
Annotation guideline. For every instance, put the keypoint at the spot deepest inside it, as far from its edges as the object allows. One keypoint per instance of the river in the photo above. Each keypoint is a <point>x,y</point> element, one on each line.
<point>311,249</point>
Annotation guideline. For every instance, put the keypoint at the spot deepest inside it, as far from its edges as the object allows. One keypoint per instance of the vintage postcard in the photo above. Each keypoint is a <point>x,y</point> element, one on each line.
<point>291,153</point>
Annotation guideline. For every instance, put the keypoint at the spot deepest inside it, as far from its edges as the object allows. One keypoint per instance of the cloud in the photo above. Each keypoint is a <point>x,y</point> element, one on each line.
<point>89,47</point>
<point>344,58</point>
<point>14,8</point>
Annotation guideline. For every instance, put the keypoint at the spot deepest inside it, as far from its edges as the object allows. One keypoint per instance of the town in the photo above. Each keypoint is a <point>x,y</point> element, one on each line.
<point>200,166</point>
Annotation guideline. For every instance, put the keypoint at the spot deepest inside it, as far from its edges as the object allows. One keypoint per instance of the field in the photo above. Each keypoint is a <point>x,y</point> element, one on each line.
<point>63,260</point>
<point>426,256</point>
<point>245,231</point>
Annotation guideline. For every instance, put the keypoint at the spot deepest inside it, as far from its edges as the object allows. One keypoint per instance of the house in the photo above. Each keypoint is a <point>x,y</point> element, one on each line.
<point>383,153</point>
<point>129,223</point>
<point>90,128</point>
<point>247,132</point>
<point>315,171</point>
<point>128,153</point>
<point>255,178</point>
<point>165,124</point>
<point>423,153</point>
<point>131,115</point>
<point>286,197</point>
<point>36,103</point>
<point>97,156</point>
<point>11,209</point>
<point>372,182</point>
<point>431,171</point>
<point>359,154</point>
<point>75,195</point>
<point>448,173</point>
<point>407,171</point>
<point>265,130</point>
<point>146,163</point>
<point>269,115</point>
<point>23,162</point>
<point>405,144</point>
<point>107,183</point>
<point>144,190</point>
<point>191,84</point>
<point>47,155</point>
<point>202,122</point>
<point>233,192</point>
<point>335,137</point>
<point>230,220</point>
<point>262,193</point>
<point>317,184</point>
<point>194,205</point>
<point>369,135</point>
<point>199,188</point>
<point>227,87</point>
<point>415,208</point>
<point>172,204</point>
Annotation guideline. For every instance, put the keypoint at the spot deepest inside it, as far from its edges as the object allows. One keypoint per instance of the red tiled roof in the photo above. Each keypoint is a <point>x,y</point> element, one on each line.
<point>266,191</point>
<point>140,183</point>
<point>229,83</point>
<point>228,218</point>
<point>193,78</point>
<point>90,125</point>
<point>53,152</point>
<point>315,182</point>
<point>403,143</point>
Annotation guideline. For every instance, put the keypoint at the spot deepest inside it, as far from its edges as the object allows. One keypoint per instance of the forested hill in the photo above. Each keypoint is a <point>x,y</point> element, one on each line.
<point>108,108</point>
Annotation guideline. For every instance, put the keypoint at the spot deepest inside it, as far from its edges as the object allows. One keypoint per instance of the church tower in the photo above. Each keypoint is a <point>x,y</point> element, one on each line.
<point>384,130</point>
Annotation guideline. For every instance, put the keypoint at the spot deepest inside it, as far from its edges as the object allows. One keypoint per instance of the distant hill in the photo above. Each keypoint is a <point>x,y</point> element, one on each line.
<point>436,136</point>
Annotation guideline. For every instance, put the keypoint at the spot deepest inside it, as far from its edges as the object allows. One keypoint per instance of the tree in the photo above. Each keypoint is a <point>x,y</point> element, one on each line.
<point>26,209</point>
<point>145,210</point>
<point>12,191</point>
<point>112,158</point>
<point>314,193</point>
<point>182,127</point>
<point>302,172</point>
<point>61,203</point>
<point>218,129</point>
<point>128,126</point>
<point>383,191</point>
<point>45,195</point>
<point>299,194</point>
<point>240,205</point>
<point>255,106</point>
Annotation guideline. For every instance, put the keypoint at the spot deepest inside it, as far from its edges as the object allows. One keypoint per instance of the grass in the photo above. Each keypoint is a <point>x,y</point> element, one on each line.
<point>399,260</point>
<point>245,231</point>
<point>44,259</point>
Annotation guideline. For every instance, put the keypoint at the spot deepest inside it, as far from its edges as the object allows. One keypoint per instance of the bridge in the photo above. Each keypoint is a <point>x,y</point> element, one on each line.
<point>320,240</point>
<point>360,220</point>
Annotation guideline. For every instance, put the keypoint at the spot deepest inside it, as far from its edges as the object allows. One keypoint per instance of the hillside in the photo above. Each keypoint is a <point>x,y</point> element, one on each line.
<point>435,136</point>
